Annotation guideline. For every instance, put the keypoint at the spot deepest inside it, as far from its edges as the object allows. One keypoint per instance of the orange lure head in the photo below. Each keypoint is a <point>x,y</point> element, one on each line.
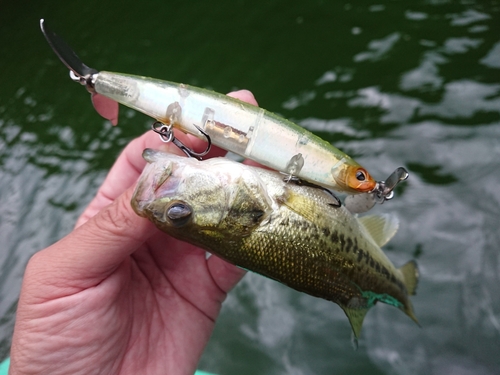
<point>358,180</point>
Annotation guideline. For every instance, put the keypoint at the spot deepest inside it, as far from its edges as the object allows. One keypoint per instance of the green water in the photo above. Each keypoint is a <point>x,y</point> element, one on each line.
<point>393,83</point>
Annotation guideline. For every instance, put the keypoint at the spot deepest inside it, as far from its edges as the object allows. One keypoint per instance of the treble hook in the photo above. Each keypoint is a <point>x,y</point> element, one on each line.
<point>166,133</point>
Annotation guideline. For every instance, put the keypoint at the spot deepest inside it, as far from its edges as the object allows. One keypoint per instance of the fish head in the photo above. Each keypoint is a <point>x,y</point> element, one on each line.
<point>190,199</point>
<point>174,191</point>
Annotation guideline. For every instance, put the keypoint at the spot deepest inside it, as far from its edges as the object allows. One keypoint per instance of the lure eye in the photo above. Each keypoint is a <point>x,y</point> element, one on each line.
<point>360,181</point>
<point>179,214</point>
<point>360,175</point>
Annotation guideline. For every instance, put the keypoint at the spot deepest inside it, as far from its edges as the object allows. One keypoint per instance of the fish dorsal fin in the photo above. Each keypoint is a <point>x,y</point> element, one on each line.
<point>380,227</point>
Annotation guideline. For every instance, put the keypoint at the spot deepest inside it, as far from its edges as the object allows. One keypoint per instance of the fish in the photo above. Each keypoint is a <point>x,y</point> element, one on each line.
<point>228,123</point>
<point>293,232</point>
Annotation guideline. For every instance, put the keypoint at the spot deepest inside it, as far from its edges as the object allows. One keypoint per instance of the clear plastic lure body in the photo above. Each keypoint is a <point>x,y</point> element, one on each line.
<point>239,127</point>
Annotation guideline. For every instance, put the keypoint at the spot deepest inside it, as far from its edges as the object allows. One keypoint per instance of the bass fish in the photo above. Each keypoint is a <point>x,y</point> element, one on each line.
<point>292,232</point>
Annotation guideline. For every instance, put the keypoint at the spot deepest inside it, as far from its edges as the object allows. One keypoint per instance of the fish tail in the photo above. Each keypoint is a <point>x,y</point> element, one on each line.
<point>410,276</point>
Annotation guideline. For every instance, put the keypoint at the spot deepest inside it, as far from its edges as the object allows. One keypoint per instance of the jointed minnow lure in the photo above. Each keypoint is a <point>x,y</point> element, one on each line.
<point>229,123</point>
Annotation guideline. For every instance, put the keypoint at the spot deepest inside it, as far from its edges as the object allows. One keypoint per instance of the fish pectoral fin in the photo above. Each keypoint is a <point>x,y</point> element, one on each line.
<point>356,315</point>
<point>380,227</point>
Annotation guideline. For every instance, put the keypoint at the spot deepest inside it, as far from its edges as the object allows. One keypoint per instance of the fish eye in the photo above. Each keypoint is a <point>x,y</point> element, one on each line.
<point>179,213</point>
<point>360,175</point>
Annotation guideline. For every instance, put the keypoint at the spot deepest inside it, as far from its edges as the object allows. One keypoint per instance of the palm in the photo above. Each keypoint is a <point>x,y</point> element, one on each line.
<point>152,314</point>
<point>154,301</point>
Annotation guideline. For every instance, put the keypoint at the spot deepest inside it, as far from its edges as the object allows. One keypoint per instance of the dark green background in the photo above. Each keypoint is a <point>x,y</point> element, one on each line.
<point>393,83</point>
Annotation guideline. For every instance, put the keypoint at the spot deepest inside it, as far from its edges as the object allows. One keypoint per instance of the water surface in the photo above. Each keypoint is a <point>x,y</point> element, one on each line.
<point>392,83</point>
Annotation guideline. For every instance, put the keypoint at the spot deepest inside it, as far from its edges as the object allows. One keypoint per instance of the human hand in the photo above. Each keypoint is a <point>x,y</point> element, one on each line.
<point>117,296</point>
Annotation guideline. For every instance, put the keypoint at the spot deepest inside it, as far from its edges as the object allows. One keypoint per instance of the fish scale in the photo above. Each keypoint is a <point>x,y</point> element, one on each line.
<point>293,233</point>
<point>306,270</point>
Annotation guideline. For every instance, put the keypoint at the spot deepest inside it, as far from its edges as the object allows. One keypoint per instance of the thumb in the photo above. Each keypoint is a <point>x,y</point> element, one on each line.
<point>94,250</point>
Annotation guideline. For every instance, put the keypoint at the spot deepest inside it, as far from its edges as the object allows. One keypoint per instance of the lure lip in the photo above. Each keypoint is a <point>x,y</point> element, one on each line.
<point>81,72</point>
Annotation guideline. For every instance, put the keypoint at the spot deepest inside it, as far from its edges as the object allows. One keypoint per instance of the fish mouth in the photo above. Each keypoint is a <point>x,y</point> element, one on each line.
<point>151,199</point>
<point>142,206</point>
<point>153,209</point>
<point>155,185</point>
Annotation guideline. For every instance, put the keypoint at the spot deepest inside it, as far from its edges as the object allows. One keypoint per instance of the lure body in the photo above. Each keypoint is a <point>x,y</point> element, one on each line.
<point>239,127</point>
<point>231,124</point>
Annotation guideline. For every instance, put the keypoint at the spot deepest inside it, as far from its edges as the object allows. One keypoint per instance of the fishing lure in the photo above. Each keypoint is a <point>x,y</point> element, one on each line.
<point>229,123</point>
